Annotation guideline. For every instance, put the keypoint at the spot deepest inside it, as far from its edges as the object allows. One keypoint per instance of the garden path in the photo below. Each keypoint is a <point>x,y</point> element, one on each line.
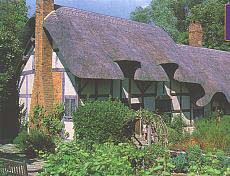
<point>10,151</point>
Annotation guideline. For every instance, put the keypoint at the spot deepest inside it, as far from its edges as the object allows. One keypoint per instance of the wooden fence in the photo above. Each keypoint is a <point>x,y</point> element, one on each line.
<point>13,168</point>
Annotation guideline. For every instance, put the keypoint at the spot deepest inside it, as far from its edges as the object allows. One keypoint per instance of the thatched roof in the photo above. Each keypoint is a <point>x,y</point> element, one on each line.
<point>208,67</point>
<point>90,43</point>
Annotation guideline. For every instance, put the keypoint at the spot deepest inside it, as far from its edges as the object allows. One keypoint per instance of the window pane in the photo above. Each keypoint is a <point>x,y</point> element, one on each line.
<point>67,107</point>
<point>70,106</point>
<point>164,105</point>
<point>73,106</point>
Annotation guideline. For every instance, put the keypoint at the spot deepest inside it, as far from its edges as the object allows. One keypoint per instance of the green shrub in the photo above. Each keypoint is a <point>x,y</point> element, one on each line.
<point>44,130</point>
<point>34,142</point>
<point>52,122</point>
<point>213,136</point>
<point>48,123</point>
<point>175,128</point>
<point>174,136</point>
<point>40,141</point>
<point>201,163</point>
<point>181,163</point>
<point>22,140</point>
<point>157,161</point>
<point>71,159</point>
<point>2,168</point>
<point>167,118</point>
<point>100,121</point>
<point>157,123</point>
<point>177,124</point>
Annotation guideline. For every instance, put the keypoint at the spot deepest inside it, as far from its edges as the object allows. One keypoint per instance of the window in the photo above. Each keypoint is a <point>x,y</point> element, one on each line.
<point>164,105</point>
<point>197,111</point>
<point>70,106</point>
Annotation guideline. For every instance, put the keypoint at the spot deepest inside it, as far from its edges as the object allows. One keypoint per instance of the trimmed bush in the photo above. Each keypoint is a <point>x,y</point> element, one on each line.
<point>101,121</point>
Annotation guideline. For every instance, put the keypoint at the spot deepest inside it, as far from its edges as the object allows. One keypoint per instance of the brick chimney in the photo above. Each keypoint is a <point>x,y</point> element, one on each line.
<point>43,91</point>
<point>195,34</point>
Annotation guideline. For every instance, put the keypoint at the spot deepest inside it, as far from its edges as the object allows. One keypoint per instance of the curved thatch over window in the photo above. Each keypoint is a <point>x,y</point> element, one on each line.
<point>90,45</point>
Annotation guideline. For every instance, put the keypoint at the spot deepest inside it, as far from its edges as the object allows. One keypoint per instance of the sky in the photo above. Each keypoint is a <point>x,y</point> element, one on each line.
<point>118,8</point>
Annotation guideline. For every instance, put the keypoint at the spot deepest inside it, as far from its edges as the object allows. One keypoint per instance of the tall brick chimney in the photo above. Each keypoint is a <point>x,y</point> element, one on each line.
<point>43,91</point>
<point>195,34</point>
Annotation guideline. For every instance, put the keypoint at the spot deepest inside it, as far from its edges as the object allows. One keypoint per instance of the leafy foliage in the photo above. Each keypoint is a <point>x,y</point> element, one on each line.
<point>206,163</point>
<point>100,121</point>
<point>49,123</point>
<point>175,16</point>
<point>45,130</point>
<point>197,162</point>
<point>157,123</point>
<point>107,159</point>
<point>211,15</point>
<point>212,135</point>
<point>175,128</point>
<point>13,17</point>
<point>73,159</point>
<point>1,169</point>
<point>177,123</point>
<point>168,14</point>
<point>181,163</point>
<point>52,122</point>
<point>34,142</point>
<point>159,13</point>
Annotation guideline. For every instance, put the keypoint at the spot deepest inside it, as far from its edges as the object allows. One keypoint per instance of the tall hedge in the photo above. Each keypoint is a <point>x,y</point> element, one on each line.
<point>100,121</point>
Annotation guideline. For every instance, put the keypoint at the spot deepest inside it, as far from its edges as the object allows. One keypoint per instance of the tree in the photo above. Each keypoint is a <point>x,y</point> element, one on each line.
<point>168,14</point>
<point>175,16</point>
<point>159,13</point>
<point>181,10</point>
<point>13,17</point>
<point>211,15</point>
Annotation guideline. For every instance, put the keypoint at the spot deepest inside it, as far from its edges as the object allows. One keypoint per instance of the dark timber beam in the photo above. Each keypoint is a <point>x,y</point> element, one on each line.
<point>130,92</point>
<point>111,88</point>
<point>96,89</point>
<point>120,90</point>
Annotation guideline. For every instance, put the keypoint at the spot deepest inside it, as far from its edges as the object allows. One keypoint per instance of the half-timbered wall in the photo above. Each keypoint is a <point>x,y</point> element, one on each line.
<point>63,88</point>
<point>181,99</point>
<point>136,94</point>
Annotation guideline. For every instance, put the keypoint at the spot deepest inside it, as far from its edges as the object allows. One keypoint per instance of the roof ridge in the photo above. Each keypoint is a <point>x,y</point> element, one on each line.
<point>111,19</point>
<point>203,48</point>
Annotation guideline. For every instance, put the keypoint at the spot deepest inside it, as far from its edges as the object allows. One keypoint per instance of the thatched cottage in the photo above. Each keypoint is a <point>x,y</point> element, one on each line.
<point>72,55</point>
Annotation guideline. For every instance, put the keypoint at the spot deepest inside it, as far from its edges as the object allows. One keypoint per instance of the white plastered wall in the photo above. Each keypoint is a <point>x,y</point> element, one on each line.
<point>26,86</point>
